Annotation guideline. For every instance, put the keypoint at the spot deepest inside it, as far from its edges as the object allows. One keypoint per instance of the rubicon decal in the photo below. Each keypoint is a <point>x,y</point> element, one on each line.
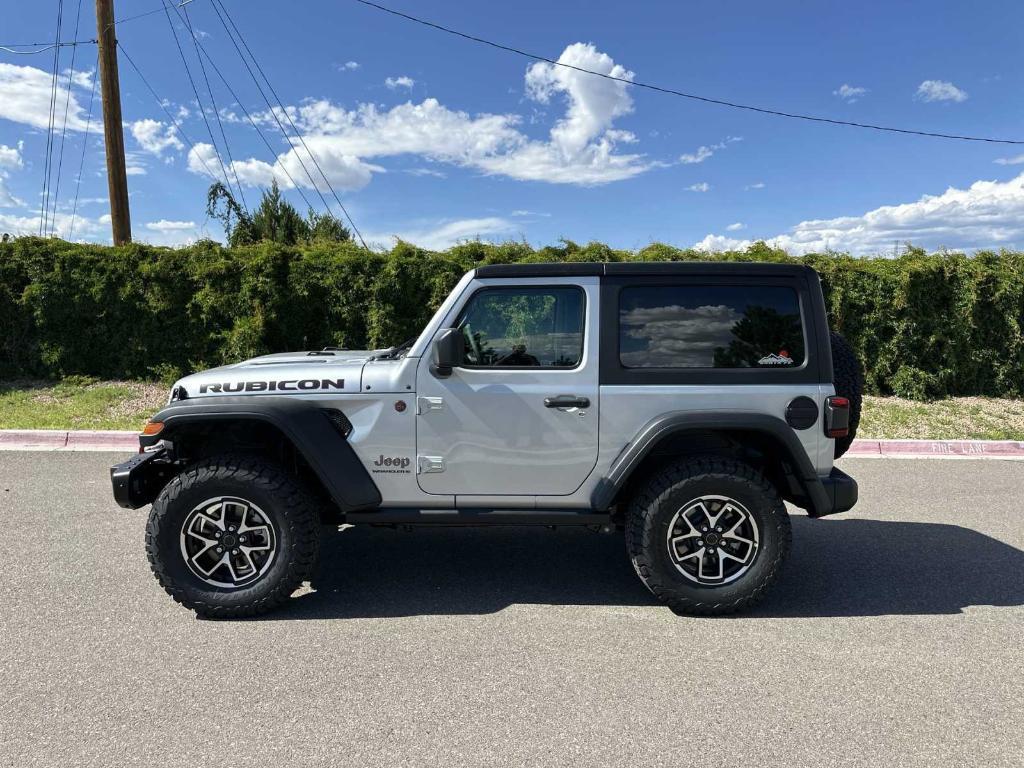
<point>287,385</point>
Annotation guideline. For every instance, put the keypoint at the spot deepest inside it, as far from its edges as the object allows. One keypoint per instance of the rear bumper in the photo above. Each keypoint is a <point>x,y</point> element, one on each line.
<point>840,494</point>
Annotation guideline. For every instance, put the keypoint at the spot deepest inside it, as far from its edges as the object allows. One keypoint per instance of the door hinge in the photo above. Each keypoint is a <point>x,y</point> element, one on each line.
<point>424,404</point>
<point>426,465</point>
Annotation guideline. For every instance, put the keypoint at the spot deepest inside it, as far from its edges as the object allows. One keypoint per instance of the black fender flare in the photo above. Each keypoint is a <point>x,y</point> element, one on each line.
<point>675,422</point>
<point>302,422</point>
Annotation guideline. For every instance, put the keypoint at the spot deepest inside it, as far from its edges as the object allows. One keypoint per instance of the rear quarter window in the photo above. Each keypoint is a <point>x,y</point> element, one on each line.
<point>710,326</point>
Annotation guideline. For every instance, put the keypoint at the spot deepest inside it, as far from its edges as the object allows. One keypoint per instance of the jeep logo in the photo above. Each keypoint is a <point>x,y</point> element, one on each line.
<point>288,385</point>
<point>387,461</point>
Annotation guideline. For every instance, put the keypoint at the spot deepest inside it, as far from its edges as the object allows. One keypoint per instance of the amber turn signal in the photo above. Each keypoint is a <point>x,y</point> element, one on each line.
<point>153,428</point>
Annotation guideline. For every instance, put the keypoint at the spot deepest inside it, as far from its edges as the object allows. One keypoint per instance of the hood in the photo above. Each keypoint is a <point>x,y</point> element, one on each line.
<point>315,372</point>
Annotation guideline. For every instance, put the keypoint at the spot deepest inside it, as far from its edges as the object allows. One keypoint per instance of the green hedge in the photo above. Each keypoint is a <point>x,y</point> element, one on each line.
<point>925,325</point>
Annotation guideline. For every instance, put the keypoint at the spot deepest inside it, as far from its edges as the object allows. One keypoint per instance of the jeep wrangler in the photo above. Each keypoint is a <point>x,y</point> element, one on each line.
<point>682,403</point>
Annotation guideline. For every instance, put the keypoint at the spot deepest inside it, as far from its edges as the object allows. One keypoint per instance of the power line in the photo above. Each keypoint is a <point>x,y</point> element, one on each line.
<point>216,111</point>
<point>147,13</point>
<point>195,92</point>
<point>64,125</point>
<point>273,112</point>
<point>160,102</point>
<point>85,146</point>
<point>252,121</point>
<point>9,48</point>
<point>44,211</point>
<point>240,105</point>
<point>298,133</point>
<point>682,94</point>
<point>93,41</point>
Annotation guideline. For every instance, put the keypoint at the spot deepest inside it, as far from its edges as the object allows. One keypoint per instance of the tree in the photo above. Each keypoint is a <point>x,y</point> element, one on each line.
<point>275,219</point>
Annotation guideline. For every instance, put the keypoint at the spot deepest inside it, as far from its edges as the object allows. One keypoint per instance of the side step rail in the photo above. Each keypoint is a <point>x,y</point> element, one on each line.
<point>547,517</point>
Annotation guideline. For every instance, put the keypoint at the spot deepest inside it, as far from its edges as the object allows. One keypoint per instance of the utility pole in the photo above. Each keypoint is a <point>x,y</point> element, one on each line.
<point>113,133</point>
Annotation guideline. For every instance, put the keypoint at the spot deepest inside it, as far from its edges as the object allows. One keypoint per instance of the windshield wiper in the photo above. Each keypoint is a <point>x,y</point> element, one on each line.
<point>392,353</point>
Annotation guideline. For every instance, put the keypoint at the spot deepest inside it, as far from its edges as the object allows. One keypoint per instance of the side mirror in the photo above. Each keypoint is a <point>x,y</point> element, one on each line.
<point>449,350</point>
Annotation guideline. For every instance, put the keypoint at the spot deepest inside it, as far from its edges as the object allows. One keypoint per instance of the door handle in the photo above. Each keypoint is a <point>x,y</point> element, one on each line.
<point>566,401</point>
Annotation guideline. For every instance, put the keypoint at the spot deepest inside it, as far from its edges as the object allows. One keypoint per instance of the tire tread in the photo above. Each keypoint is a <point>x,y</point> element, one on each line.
<point>295,509</point>
<point>641,533</point>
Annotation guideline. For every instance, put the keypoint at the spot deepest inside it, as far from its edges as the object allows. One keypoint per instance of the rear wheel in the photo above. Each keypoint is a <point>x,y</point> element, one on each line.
<point>708,535</point>
<point>232,536</point>
<point>849,382</point>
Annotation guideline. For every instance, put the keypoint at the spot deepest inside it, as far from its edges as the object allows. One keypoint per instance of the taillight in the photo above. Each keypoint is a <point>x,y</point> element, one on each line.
<point>837,416</point>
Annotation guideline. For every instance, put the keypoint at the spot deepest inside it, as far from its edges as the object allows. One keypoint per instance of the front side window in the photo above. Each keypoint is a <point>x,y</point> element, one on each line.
<point>710,326</point>
<point>524,328</point>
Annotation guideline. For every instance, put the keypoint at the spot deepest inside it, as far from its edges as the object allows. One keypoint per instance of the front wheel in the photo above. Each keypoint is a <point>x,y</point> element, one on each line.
<point>232,536</point>
<point>708,535</point>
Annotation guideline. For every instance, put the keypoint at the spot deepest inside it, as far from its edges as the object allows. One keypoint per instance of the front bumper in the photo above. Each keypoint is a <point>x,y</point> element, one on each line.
<point>137,482</point>
<point>841,492</point>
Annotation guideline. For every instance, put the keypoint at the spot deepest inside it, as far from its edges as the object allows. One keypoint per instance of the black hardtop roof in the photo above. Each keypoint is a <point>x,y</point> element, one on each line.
<point>641,268</point>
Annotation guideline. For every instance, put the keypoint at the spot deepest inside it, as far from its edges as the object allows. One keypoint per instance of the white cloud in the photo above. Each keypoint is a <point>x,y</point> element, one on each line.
<point>10,157</point>
<point>736,227</point>
<point>155,137</point>
<point>349,66</point>
<point>344,171</point>
<point>581,148</point>
<point>79,78</point>
<point>426,172</point>
<point>704,152</point>
<point>170,233</point>
<point>399,82</point>
<point>1017,160</point>
<point>939,90</point>
<point>594,102</point>
<point>701,186</point>
<point>721,243</point>
<point>849,93</point>
<point>25,98</point>
<point>448,233</point>
<point>7,198</point>
<point>523,212</point>
<point>987,214</point>
<point>755,185</point>
<point>85,227</point>
<point>163,225</point>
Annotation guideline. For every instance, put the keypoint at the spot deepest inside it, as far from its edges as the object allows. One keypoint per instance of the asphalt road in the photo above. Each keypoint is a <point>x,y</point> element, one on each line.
<point>893,638</point>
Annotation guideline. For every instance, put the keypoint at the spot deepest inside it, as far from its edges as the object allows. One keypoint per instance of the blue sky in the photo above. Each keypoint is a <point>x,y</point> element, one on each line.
<point>436,139</point>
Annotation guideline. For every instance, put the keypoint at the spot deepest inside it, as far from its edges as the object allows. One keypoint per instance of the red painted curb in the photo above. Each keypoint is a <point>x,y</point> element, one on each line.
<point>968,449</point>
<point>32,439</point>
<point>96,440</point>
<point>65,440</point>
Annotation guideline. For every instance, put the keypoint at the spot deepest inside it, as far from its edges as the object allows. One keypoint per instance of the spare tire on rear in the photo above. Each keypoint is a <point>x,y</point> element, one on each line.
<point>849,383</point>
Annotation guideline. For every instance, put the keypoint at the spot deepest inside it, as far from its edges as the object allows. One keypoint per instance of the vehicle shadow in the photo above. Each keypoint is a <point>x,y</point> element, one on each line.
<point>837,568</point>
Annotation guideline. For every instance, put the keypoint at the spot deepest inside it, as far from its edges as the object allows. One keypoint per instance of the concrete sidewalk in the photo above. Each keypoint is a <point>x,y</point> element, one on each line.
<point>97,440</point>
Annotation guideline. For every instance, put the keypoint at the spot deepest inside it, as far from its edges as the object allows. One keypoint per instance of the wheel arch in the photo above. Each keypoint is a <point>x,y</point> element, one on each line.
<point>278,427</point>
<point>764,441</point>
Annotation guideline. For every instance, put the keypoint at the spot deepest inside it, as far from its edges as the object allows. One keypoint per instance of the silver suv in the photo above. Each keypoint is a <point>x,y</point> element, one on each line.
<point>682,403</point>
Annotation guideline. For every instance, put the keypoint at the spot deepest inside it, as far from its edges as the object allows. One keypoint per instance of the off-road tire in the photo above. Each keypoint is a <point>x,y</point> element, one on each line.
<point>279,496</point>
<point>650,514</point>
<point>848,380</point>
